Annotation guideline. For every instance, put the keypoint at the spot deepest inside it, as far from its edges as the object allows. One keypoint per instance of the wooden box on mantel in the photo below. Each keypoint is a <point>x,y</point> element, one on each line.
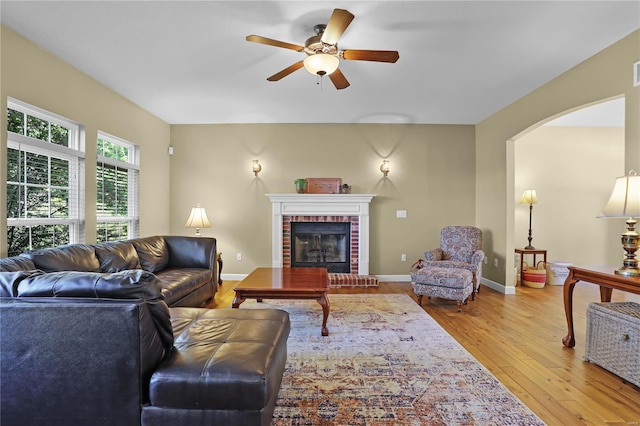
<point>323,185</point>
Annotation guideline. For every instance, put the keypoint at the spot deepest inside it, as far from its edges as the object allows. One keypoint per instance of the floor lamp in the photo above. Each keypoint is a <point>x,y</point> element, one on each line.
<point>625,203</point>
<point>529,197</point>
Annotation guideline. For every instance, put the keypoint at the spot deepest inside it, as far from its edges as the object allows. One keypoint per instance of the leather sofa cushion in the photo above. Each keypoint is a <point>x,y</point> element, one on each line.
<point>177,283</point>
<point>189,252</point>
<point>131,284</point>
<point>9,281</point>
<point>118,256</point>
<point>72,257</point>
<point>226,359</point>
<point>152,252</point>
<point>16,263</point>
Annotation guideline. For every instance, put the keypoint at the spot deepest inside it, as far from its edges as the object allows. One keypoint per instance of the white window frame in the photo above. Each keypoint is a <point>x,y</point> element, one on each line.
<point>73,153</point>
<point>132,166</point>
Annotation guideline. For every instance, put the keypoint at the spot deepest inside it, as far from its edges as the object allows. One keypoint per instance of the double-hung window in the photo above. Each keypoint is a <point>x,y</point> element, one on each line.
<point>117,189</point>
<point>44,179</point>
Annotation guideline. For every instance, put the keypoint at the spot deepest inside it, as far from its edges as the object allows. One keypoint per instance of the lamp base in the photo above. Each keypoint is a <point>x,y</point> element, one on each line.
<point>630,239</point>
<point>529,247</point>
<point>628,272</point>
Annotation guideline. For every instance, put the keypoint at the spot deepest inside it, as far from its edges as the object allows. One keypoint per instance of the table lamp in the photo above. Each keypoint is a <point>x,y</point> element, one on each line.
<point>625,203</point>
<point>529,197</point>
<point>198,219</point>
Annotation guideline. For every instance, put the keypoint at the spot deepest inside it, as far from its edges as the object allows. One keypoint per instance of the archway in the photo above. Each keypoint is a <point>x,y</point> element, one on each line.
<point>572,162</point>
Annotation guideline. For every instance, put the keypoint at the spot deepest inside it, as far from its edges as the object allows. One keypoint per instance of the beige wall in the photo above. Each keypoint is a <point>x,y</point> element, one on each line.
<point>34,76</point>
<point>606,75</point>
<point>572,170</point>
<point>432,177</point>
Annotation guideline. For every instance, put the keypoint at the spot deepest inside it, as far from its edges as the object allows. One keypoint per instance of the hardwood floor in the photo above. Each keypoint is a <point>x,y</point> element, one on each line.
<point>519,339</point>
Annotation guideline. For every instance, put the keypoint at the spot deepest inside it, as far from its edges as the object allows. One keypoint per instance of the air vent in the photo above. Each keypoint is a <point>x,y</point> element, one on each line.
<point>636,74</point>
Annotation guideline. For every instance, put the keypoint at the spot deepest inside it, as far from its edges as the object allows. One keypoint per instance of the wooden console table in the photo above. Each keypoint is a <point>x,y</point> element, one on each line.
<point>603,276</point>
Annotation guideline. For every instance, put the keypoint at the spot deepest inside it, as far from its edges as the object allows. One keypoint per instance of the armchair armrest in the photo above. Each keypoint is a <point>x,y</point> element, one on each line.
<point>477,257</point>
<point>433,255</point>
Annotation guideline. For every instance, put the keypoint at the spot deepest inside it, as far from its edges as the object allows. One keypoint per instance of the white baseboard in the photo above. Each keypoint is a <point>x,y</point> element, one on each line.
<point>233,277</point>
<point>498,287</point>
<point>389,278</point>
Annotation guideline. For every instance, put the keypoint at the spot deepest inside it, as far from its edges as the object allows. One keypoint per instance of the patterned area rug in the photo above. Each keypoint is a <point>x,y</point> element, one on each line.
<point>385,362</point>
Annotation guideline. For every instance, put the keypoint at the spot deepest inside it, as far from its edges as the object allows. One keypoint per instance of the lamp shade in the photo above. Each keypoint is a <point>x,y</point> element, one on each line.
<point>529,197</point>
<point>198,218</point>
<point>625,198</point>
<point>321,64</point>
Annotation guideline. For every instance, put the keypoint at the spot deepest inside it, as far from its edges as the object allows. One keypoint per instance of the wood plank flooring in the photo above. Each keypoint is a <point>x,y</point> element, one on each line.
<point>519,339</point>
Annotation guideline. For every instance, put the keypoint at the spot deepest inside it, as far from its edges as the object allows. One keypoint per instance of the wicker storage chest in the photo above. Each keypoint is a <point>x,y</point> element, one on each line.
<point>613,338</point>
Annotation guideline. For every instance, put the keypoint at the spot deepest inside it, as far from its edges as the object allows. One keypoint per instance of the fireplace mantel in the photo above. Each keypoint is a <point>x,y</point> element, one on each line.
<point>321,205</point>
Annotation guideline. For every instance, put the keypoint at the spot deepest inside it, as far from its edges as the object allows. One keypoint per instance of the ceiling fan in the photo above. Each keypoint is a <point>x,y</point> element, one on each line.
<point>323,55</point>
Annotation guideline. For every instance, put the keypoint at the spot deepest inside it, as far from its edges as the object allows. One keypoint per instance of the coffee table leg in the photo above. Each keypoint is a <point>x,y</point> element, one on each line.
<point>237,300</point>
<point>324,302</point>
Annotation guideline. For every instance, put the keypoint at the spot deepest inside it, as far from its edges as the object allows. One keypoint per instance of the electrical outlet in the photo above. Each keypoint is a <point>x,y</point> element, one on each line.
<point>495,262</point>
<point>403,257</point>
<point>238,256</point>
<point>486,260</point>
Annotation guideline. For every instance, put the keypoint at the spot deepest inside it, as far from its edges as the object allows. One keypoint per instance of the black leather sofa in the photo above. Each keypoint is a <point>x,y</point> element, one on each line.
<point>185,266</point>
<point>103,348</point>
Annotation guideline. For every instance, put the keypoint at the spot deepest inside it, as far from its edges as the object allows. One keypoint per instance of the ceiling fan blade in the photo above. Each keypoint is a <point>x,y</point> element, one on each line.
<point>338,79</point>
<point>370,55</point>
<point>339,21</point>
<point>276,43</point>
<point>285,72</point>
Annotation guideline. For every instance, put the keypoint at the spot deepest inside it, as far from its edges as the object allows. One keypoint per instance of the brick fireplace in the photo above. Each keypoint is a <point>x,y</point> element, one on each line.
<point>352,208</point>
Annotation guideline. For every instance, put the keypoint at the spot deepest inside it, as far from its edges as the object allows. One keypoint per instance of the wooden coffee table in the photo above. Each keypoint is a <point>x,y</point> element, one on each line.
<point>286,283</point>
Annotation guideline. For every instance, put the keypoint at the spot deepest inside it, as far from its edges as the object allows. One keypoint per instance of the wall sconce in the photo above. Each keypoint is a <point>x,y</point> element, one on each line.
<point>198,219</point>
<point>384,167</point>
<point>256,167</point>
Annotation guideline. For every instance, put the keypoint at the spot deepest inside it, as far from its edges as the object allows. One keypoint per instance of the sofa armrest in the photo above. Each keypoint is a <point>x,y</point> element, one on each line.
<point>73,361</point>
<point>192,252</point>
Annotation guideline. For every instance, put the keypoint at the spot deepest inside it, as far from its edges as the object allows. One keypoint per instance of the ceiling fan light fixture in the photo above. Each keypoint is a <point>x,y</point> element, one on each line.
<point>321,64</point>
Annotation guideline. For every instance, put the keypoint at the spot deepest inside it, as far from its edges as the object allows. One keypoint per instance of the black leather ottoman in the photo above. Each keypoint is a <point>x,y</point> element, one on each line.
<point>226,368</point>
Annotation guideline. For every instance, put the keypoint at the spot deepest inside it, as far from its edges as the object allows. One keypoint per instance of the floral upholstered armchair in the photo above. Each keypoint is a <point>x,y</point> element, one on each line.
<point>460,247</point>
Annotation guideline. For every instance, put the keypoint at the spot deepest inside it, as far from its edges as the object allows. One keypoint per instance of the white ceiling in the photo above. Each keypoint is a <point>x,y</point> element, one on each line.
<point>188,61</point>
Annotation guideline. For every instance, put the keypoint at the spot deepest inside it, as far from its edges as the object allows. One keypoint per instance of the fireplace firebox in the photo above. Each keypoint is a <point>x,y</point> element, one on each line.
<point>321,245</point>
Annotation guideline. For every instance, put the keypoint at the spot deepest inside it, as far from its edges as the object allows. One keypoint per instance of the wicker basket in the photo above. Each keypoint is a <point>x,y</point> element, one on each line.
<point>613,338</point>
<point>534,277</point>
